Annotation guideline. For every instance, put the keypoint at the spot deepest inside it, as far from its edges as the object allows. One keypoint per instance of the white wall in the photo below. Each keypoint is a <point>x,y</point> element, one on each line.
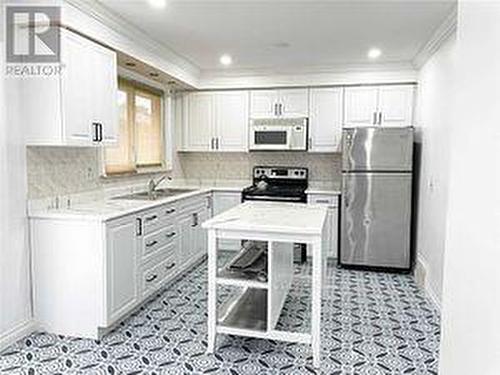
<point>15,316</point>
<point>471,292</point>
<point>434,124</point>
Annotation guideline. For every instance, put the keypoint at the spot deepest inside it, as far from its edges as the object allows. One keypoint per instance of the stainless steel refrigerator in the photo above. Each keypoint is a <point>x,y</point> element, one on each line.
<point>375,222</point>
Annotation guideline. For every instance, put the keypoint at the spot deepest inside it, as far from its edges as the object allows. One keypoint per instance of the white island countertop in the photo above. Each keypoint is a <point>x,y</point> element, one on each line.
<point>271,217</point>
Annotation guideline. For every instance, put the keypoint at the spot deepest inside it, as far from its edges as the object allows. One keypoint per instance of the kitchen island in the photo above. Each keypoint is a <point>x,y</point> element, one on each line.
<point>254,310</point>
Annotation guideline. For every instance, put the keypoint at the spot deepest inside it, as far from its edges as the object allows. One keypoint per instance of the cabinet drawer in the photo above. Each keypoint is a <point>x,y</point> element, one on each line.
<point>152,277</point>
<point>168,212</point>
<point>193,203</point>
<point>330,200</point>
<point>157,240</point>
<point>151,221</point>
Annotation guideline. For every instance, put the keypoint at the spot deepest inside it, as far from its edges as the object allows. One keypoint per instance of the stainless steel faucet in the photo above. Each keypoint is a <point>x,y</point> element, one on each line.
<point>152,185</point>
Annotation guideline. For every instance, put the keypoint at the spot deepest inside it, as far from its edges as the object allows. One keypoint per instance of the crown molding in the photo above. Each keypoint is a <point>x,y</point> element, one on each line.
<point>178,66</point>
<point>344,74</point>
<point>312,69</point>
<point>447,28</point>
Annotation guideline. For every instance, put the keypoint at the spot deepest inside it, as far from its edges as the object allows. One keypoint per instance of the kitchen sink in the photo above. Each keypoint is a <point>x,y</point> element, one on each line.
<point>157,194</point>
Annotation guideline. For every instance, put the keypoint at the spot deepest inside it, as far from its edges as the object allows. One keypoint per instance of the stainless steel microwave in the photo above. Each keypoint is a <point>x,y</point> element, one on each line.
<point>287,134</point>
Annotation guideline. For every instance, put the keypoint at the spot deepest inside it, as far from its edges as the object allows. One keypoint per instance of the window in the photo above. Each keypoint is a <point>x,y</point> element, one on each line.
<point>141,140</point>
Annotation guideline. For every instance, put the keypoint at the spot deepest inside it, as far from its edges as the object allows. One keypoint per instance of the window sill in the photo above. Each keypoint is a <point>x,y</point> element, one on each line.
<point>141,172</point>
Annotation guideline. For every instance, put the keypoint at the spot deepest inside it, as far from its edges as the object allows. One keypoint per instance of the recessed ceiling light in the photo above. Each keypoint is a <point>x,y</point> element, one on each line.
<point>374,53</point>
<point>226,59</point>
<point>158,3</point>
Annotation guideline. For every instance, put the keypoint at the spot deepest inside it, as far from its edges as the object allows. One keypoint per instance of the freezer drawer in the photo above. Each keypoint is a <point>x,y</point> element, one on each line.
<point>375,220</point>
<point>377,149</point>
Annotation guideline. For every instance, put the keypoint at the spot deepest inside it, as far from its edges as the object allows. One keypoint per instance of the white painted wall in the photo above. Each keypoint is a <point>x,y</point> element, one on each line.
<point>15,316</point>
<point>433,126</point>
<point>471,291</point>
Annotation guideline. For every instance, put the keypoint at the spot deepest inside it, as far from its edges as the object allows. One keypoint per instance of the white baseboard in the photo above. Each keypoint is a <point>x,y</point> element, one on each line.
<point>422,279</point>
<point>16,333</point>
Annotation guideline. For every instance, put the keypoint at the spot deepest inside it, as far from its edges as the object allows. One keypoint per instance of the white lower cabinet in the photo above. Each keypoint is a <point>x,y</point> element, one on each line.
<point>223,201</point>
<point>89,274</point>
<point>192,236</point>
<point>331,201</point>
<point>122,243</point>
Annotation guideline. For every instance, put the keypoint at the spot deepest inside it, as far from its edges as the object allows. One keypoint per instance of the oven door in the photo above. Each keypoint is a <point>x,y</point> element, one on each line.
<point>269,137</point>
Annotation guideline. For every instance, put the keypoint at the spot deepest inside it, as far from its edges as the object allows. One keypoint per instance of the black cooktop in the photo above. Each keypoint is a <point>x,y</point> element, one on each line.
<point>277,183</point>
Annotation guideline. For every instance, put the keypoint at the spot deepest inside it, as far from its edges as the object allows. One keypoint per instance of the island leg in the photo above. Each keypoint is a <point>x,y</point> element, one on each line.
<point>212,291</point>
<point>317,281</point>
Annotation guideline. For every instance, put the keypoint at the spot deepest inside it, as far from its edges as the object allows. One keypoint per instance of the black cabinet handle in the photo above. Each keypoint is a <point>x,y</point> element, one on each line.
<point>152,278</point>
<point>195,220</point>
<point>171,234</point>
<point>152,243</point>
<point>95,130</point>
<point>169,267</point>
<point>151,218</point>
<point>171,211</point>
<point>138,226</point>
<point>100,133</point>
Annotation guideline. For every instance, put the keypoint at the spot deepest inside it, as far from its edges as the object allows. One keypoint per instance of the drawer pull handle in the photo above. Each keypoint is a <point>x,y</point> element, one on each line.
<point>171,234</point>
<point>152,278</point>
<point>152,243</point>
<point>171,211</point>
<point>169,267</point>
<point>150,218</point>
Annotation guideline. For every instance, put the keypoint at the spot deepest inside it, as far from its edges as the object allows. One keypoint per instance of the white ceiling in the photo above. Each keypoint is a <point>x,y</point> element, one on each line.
<point>276,34</point>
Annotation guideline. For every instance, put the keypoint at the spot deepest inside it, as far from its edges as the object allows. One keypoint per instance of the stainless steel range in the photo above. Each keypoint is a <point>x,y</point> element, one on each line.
<point>280,184</point>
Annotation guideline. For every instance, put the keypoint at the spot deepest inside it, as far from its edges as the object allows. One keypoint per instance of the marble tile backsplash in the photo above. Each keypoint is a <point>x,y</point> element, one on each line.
<point>238,166</point>
<point>56,171</point>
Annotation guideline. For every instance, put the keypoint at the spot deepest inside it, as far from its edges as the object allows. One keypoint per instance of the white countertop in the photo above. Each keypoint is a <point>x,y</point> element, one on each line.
<point>100,205</point>
<point>103,207</point>
<point>276,217</point>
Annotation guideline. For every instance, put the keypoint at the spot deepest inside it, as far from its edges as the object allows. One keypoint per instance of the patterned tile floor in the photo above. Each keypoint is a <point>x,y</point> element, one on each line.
<point>373,323</point>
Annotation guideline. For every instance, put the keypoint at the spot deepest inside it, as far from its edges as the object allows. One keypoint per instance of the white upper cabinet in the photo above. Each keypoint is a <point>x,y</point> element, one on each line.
<point>199,122</point>
<point>325,119</point>
<point>231,120</point>
<point>79,107</point>
<point>396,105</point>
<point>279,103</point>
<point>360,106</point>
<point>294,103</point>
<point>216,121</point>
<point>390,105</point>
<point>264,103</point>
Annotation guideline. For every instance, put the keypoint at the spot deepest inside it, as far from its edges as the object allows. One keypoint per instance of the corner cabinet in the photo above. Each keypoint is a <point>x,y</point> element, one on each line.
<point>279,103</point>
<point>325,119</point>
<point>389,105</point>
<point>79,106</point>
